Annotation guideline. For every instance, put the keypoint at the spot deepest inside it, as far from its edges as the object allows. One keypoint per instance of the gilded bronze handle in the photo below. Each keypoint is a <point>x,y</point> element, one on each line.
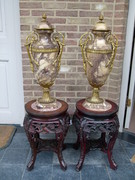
<point>31,38</point>
<point>114,42</point>
<point>83,49</point>
<point>57,38</point>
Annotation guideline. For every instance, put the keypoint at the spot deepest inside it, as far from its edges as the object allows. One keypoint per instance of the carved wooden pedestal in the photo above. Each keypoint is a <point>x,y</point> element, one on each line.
<point>87,122</point>
<point>37,123</point>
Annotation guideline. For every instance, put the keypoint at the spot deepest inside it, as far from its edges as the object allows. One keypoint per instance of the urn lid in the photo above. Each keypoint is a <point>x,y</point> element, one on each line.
<point>44,24</point>
<point>101,25</point>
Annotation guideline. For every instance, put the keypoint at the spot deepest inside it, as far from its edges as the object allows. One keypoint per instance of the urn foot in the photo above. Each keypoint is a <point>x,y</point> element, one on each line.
<point>46,106</point>
<point>105,106</point>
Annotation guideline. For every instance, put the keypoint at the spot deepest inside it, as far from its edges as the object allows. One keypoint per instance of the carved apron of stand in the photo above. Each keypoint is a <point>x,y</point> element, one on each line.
<point>107,124</point>
<point>35,126</point>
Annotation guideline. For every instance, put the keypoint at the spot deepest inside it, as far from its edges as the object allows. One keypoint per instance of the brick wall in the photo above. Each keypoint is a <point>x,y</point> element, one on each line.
<point>73,18</point>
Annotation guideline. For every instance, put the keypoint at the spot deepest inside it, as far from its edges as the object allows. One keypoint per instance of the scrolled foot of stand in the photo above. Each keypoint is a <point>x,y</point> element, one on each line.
<point>82,157</point>
<point>63,165</point>
<point>113,165</point>
<point>30,165</point>
<point>59,153</point>
<point>79,166</point>
<point>29,168</point>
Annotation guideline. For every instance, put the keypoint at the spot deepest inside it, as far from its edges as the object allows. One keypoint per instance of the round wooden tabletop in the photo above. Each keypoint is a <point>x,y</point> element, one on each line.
<point>101,114</point>
<point>46,114</point>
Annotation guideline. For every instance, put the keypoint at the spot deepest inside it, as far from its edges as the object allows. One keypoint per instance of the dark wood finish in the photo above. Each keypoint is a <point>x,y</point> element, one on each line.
<point>37,123</point>
<point>86,122</point>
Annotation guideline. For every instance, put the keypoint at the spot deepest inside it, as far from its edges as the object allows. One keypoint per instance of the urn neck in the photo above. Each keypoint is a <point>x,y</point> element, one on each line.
<point>44,33</point>
<point>100,33</point>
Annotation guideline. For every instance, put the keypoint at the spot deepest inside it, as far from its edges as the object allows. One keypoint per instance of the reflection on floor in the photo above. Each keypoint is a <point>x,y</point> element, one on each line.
<point>132,122</point>
<point>13,161</point>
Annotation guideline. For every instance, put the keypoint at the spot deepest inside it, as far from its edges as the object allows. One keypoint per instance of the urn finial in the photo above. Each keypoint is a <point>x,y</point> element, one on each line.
<point>44,17</point>
<point>44,24</point>
<point>101,17</point>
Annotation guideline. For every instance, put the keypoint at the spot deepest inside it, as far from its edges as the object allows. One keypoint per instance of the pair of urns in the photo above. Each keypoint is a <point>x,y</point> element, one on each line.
<point>45,49</point>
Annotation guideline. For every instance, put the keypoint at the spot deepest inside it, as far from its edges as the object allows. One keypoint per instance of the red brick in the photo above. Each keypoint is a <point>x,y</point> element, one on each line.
<point>70,42</point>
<point>69,0</point>
<point>61,75</point>
<point>83,94</point>
<point>30,5</point>
<point>54,5</point>
<point>82,82</point>
<point>119,15</point>
<point>120,1</point>
<point>88,14</point>
<point>27,81</point>
<point>91,1</point>
<point>65,81</point>
<point>80,69</point>
<point>109,1</point>
<point>66,28</point>
<point>65,94</point>
<point>120,7</point>
<point>28,75</point>
<point>85,28</point>
<point>28,87</point>
<point>119,21</point>
<point>76,88</point>
<point>78,6</point>
<point>57,20</point>
<point>26,62</point>
<point>37,87</point>
<point>112,96</point>
<point>75,75</point>
<point>118,29</point>
<point>27,99</point>
<point>58,88</point>
<point>74,35</point>
<point>25,28</point>
<point>25,55</point>
<point>80,56</point>
<point>67,13</point>
<point>24,12</point>
<point>73,49</point>
<point>108,14</point>
<point>26,68</point>
<point>28,93</point>
<point>78,21</point>
<point>23,48</point>
<point>40,93</point>
<point>74,62</point>
<point>41,12</point>
<point>69,56</point>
